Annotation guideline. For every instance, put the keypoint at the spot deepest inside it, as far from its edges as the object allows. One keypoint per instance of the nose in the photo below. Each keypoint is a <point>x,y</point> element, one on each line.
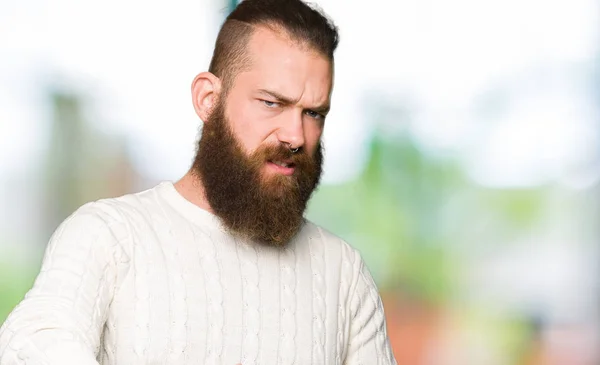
<point>291,132</point>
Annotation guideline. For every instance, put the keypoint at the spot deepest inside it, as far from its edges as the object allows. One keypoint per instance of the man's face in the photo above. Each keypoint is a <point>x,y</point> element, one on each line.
<point>283,98</point>
<point>280,102</point>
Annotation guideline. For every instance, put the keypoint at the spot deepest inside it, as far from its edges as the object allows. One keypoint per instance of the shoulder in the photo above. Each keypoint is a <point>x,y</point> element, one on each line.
<point>112,216</point>
<point>315,231</point>
<point>128,206</point>
<point>334,246</point>
<point>122,209</point>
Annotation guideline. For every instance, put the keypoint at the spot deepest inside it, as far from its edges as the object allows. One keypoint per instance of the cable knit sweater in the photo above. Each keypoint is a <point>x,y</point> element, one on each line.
<point>150,278</point>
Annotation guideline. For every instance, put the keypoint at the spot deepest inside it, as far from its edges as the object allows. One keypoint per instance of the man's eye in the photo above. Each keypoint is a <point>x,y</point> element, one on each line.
<point>314,114</point>
<point>270,104</point>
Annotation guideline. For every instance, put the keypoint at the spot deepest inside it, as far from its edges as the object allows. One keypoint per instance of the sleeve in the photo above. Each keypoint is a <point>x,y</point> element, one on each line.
<point>61,318</point>
<point>368,340</point>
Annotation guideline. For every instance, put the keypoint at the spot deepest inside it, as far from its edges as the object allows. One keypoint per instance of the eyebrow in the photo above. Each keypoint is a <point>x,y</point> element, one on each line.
<point>290,101</point>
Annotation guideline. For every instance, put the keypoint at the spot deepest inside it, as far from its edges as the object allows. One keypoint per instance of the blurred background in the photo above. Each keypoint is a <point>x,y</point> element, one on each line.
<point>463,153</point>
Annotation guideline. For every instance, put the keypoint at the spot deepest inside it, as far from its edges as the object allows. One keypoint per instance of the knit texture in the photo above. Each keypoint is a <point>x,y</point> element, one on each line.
<point>150,278</point>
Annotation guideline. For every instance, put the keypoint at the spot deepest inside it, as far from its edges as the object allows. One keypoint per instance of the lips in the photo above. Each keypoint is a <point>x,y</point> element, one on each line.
<point>283,167</point>
<point>282,163</point>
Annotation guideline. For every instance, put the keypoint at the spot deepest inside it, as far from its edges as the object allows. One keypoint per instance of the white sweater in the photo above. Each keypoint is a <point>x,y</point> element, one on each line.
<point>150,278</point>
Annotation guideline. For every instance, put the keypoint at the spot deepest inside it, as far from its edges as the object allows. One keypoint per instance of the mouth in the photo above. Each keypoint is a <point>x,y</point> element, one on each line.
<point>282,167</point>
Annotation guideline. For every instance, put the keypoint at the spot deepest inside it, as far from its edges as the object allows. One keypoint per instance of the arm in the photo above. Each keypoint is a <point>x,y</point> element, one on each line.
<point>62,317</point>
<point>368,342</point>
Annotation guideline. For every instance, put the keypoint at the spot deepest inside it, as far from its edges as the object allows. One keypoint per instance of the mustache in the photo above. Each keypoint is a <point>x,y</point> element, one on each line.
<point>282,152</point>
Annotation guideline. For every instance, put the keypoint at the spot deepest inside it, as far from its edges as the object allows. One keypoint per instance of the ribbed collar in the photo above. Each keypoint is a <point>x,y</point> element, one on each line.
<point>187,209</point>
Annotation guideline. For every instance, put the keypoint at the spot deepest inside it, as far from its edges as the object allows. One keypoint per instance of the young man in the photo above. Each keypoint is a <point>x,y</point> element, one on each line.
<point>220,267</point>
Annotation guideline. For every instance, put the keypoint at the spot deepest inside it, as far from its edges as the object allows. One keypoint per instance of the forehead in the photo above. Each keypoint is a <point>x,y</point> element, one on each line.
<point>280,64</point>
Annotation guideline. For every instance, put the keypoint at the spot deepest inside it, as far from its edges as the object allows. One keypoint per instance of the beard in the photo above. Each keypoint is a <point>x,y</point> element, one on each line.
<point>264,207</point>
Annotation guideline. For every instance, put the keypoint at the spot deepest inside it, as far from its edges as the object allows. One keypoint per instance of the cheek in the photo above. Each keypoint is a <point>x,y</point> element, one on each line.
<point>312,135</point>
<point>247,127</point>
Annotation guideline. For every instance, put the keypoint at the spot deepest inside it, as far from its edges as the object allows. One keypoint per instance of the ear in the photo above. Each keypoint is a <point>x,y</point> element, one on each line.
<point>206,89</point>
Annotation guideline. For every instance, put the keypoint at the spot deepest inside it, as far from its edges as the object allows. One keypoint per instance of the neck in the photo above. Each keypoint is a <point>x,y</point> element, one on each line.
<point>191,188</point>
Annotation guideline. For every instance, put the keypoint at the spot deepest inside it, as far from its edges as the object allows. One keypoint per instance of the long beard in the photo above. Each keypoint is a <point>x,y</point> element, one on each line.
<point>266,208</point>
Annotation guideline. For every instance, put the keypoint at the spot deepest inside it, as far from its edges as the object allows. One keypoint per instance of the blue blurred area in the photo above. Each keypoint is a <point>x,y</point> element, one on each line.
<point>462,154</point>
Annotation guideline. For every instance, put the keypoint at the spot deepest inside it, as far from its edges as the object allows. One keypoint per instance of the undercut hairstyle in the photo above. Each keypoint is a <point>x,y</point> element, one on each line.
<point>302,23</point>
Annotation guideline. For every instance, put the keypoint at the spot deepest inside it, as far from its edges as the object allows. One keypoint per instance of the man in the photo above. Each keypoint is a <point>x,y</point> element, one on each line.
<point>220,267</point>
